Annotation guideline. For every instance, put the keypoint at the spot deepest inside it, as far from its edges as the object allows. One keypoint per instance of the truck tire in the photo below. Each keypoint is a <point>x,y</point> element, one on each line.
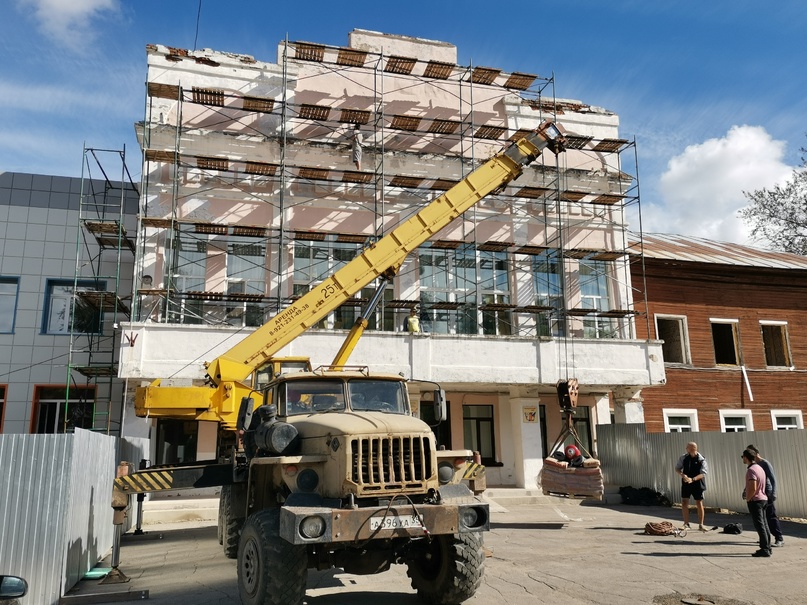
<point>229,525</point>
<point>450,571</point>
<point>270,570</point>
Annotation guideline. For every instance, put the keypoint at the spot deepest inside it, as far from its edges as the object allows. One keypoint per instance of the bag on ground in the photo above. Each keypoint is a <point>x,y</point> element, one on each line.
<point>659,528</point>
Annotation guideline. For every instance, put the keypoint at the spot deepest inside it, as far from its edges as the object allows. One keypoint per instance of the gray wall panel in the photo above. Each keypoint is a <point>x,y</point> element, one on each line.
<point>55,513</point>
<point>630,456</point>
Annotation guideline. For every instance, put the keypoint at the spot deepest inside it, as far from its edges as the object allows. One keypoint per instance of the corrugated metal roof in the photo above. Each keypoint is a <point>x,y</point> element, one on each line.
<point>698,250</point>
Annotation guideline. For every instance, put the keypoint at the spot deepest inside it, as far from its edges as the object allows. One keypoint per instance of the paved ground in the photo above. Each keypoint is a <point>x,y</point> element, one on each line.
<point>557,552</point>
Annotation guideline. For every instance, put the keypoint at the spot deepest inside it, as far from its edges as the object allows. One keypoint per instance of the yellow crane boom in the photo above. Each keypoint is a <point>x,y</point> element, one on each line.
<point>384,257</point>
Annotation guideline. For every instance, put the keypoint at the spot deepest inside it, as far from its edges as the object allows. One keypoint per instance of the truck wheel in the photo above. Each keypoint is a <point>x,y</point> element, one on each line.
<point>270,570</point>
<point>229,525</point>
<point>451,569</point>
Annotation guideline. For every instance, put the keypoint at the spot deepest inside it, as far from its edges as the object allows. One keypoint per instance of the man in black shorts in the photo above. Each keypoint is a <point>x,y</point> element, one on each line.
<point>692,468</point>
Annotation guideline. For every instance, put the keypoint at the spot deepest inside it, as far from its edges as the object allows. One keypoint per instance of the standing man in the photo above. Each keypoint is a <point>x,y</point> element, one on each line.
<point>413,322</point>
<point>692,468</point>
<point>770,491</point>
<point>357,143</point>
<point>757,501</point>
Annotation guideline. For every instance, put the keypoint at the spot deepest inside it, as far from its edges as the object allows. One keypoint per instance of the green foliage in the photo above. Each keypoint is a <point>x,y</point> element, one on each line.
<point>779,215</point>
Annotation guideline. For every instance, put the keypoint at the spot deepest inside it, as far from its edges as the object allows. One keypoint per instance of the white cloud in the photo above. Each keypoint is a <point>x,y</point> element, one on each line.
<point>702,188</point>
<point>69,22</point>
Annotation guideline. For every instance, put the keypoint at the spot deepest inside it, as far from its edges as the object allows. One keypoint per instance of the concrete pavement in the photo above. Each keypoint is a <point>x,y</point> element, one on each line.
<point>551,551</point>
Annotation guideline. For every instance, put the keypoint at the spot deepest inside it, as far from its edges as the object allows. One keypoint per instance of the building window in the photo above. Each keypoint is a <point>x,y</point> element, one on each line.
<point>776,342</point>
<point>595,294</point>
<point>736,421</point>
<point>673,331</point>
<point>9,291</point>
<point>477,424</point>
<point>547,271</point>
<point>785,420</point>
<point>316,260</point>
<point>62,312</point>
<point>56,413</point>
<point>494,285</point>
<point>246,274</point>
<point>186,273</point>
<point>726,341</point>
<point>680,420</point>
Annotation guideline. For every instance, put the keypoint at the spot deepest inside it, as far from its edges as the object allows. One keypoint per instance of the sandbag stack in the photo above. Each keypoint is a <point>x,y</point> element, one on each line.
<point>559,478</point>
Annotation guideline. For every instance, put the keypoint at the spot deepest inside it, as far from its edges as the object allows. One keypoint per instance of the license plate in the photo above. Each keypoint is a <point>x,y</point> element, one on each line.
<point>394,522</point>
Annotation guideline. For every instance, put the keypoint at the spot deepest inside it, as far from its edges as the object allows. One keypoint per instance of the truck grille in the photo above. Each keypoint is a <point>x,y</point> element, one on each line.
<point>391,463</point>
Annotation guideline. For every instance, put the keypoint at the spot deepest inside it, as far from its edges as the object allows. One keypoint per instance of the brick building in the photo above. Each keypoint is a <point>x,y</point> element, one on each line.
<point>732,320</point>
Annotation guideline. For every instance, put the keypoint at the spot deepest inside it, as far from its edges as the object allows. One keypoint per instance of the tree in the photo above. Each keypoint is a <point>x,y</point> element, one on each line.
<point>779,215</point>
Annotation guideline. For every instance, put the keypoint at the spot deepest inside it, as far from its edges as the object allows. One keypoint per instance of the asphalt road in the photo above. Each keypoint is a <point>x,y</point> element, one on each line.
<point>558,553</point>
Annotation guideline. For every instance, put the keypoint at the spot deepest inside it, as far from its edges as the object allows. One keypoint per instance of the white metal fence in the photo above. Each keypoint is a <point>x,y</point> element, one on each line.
<point>55,508</point>
<point>631,456</point>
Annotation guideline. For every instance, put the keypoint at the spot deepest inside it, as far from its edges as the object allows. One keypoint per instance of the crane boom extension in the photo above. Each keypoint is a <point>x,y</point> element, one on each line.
<point>383,257</point>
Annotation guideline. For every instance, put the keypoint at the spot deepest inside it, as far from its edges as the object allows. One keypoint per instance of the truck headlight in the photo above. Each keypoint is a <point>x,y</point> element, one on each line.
<point>312,527</point>
<point>473,517</point>
<point>307,480</point>
<point>445,472</point>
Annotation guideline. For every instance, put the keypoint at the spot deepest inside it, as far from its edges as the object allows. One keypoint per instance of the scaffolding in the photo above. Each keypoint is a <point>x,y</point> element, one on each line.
<point>585,190</point>
<point>101,292</point>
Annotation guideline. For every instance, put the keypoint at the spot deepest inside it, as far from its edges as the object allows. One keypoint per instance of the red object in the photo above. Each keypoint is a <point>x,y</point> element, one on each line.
<point>572,452</point>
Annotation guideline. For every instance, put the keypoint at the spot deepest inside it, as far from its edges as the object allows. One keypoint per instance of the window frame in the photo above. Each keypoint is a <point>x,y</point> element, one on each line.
<point>683,326</point>
<point>11,281</point>
<point>73,285</point>
<point>476,421</point>
<point>76,398</point>
<point>735,328</point>
<point>747,414</point>
<point>797,414</point>
<point>692,413</point>
<point>785,343</point>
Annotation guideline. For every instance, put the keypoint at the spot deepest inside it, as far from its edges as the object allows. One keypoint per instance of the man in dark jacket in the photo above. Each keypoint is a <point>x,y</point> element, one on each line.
<point>770,491</point>
<point>692,468</point>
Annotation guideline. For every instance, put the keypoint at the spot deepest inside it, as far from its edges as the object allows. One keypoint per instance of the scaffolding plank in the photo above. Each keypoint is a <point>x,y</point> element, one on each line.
<point>443,126</point>
<point>400,65</point>
<point>409,123</point>
<point>610,145</point>
<point>354,116</point>
<point>350,57</point>
<point>103,300</point>
<point>490,132</point>
<point>438,70</point>
<point>405,181</point>
<point>484,75</point>
<point>520,81</point>
<point>163,91</point>
<point>492,246</point>
<point>307,111</point>
<point>306,51</point>
<point>208,96</point>
<point>259,104</point>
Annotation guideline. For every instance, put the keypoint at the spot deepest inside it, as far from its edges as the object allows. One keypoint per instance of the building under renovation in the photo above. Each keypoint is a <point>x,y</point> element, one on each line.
<point>261,178</point>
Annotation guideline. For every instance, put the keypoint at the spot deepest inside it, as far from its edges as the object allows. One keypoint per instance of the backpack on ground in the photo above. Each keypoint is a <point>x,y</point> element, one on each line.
<point>733,528</point>
<point>660,528</point>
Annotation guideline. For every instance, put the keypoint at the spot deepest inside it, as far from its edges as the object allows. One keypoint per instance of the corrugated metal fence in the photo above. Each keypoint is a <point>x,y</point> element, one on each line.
<point>630,456</point>
<point>55,513</point>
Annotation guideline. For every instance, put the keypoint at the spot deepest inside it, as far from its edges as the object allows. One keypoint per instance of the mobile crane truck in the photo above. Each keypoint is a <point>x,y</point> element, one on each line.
<point>329,468</point>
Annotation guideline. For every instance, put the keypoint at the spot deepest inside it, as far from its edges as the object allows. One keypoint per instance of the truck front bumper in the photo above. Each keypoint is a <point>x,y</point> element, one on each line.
<point>320,525</point>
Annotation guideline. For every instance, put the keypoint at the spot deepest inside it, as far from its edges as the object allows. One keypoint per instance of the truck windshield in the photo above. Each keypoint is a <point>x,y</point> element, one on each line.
<point>377,396</point>
<point>313,396</point>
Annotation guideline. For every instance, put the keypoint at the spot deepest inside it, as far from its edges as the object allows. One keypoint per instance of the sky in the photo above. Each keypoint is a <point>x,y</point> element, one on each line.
<point>714,93</point>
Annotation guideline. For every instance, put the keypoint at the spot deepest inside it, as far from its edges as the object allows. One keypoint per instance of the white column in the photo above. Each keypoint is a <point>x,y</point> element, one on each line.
<point>526,436</point>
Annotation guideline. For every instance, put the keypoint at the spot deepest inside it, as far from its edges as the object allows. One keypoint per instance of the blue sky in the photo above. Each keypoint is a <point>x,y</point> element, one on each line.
<point>714,92</point>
